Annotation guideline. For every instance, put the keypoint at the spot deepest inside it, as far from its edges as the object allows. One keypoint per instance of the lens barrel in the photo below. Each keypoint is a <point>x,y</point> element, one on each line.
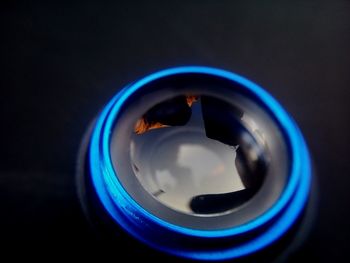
<point>130,166</point>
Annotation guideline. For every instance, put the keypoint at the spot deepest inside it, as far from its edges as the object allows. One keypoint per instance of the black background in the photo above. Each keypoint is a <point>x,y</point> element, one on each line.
<point>61,62</point>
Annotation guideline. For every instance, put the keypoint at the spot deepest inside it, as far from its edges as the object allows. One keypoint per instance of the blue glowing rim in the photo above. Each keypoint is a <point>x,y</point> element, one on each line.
<point>119,203</point>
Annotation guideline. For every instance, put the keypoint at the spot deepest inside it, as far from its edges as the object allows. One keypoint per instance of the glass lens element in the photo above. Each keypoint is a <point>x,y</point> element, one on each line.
<point>198,154</point>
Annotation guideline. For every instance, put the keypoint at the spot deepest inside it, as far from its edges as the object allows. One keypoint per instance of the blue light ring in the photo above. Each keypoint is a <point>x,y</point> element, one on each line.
<point>285,121</point>
<point>121,206</point>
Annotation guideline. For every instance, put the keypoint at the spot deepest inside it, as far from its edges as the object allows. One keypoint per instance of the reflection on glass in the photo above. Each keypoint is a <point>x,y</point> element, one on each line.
<point>195,155</point>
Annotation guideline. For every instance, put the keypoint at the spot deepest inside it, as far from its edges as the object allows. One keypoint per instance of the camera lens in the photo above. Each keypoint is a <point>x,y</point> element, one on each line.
<point>200,163</point>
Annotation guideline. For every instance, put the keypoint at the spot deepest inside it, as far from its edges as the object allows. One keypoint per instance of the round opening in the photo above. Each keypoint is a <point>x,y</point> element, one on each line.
<point>199,151</point>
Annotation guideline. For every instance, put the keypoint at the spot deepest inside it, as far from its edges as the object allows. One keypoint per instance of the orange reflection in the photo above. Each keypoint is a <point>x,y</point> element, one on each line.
<point>143,126</point>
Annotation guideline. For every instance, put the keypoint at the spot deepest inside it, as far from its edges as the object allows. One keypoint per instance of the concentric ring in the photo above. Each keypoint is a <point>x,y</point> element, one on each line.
<point>140,223</point>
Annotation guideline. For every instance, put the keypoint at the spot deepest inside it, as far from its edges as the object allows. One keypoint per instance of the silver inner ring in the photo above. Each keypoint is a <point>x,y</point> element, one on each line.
<point>190,171</point>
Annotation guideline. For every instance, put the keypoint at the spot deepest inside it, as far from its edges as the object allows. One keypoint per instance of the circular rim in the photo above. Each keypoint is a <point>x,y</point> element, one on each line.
<point>114,196</point>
